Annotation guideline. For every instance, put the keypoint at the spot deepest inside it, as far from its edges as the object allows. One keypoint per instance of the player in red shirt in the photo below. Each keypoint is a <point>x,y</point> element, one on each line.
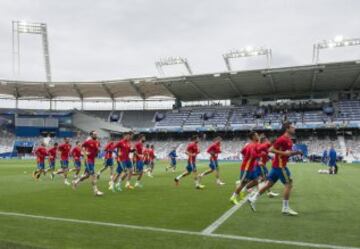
<point>124,168</point>
<point>76,155</point>
<point>40,153</point>
<point>152,157</point>
<point>147,156</point>
<point>139,159</point>
<point>108,160</point>
<point>192,151</point>
<point>283,149</point>
<point>90,150</point>
<point>214,150</point>
<point>248,177</point>
<point>64,149</point>
<point>52,152</point>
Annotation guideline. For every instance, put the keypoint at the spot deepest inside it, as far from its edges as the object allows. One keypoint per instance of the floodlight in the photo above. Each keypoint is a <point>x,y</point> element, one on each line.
<point>338,42</point>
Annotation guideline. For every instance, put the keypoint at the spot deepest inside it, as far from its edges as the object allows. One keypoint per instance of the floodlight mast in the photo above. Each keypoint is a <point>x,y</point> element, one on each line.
<point>247,52</point>
<point>170,61</point>
<point>338,42</point>
<point>22,27</point>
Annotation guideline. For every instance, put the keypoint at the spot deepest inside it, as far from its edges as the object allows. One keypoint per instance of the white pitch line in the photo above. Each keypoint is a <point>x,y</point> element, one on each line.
<point>165,230</point>
<point>210,229</point>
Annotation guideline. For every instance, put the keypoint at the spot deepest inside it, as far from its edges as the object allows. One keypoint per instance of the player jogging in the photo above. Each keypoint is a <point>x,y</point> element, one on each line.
<point>108,160</point>
<point>52,152</point>
<point>76,155</point>
<point>192,151</point>
<point>282,148</point>
<point>151,160</point>
<point>139,159</point>
<point>214,150</point>
<point>248,177</point>
<point>40,154</point>
<point>261,169</point>
<point>124,168</point>
<point>64,159</point>
<point>90,150</point>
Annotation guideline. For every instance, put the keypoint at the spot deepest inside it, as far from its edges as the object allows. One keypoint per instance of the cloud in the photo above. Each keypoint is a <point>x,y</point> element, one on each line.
<point>93,40</point>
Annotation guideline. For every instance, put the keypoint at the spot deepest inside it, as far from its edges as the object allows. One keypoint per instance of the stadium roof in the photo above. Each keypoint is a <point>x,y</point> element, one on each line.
<point>224,85</point>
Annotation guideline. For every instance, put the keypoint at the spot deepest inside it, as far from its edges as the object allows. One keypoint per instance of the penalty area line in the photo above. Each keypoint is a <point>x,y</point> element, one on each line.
<point>174,231</point>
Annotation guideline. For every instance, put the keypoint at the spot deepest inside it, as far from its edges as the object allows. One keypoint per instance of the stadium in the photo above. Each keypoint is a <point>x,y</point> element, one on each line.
<point>158,157</point>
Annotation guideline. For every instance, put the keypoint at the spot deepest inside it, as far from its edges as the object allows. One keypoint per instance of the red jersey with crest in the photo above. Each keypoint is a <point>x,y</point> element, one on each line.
<point>250,155</point>
<point>76,153</point>
<point>52,153</point>
<point>214,150</point>
<point>264,149</point>
<point>192,148</point>
<point>41,153</point>
<point>124,149</point>
<point>282,143</point>
<point>146,154</point>
<point>64,151</point>
<point>91,146</point>
<point>109,150</point>
<point>151,154</point>
<point>139,149</point>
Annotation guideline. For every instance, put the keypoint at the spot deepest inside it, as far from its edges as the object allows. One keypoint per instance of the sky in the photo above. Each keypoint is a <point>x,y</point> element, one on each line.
<point>116,39</point>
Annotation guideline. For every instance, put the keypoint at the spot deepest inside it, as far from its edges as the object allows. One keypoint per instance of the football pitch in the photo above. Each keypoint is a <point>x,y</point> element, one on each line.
<point>48,214</point>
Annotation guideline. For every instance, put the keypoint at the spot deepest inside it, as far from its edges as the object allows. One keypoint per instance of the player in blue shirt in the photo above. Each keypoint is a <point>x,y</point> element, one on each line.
<point>172,160</point>
<point>332,160</point>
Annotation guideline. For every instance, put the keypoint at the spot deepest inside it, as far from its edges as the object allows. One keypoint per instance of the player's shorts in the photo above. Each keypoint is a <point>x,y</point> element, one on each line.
<point>90,168</point>
<point>126,164</point>
<point>139,166</point>
<point>280,173</point>
<point>41,165</point>
<point>173,162</point>
<point>77,164</point>
<point>213,164</point>
<point>332,163</point>
<point>64,163</point>
<point>247,175</point>
<point>119,168</point>
<point>109,162</point>
<point>261,171</point>
<point>191,167</point>
<point>146,162</point>
<point>52,164</point>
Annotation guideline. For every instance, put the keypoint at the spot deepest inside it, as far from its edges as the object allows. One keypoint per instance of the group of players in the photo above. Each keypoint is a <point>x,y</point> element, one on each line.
<point>87,152</point>
<point>253,169</point>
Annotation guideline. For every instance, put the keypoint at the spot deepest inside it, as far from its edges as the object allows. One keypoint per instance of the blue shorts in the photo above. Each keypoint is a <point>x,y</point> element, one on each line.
<point>41,165</point>
<point>332,163</point>
<point>246,175</point>
<point>280,173</point>
<point>191,167</point>
<point>64,163</point>
<point>77,164</point>
<point>140,165</point>
<point>261,171</point>
<point>109,162</point>
<point>90,168</point>
<point>126,164</point>
<point>213,164</point>
<point>52,164</point>
<point>173,162</point>
<point>119,168</point>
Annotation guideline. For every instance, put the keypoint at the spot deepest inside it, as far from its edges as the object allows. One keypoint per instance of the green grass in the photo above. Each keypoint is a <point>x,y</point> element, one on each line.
<point>328,207</point>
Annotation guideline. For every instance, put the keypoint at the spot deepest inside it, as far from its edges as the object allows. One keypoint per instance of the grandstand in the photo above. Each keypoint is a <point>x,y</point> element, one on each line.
<point>321,97</point>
